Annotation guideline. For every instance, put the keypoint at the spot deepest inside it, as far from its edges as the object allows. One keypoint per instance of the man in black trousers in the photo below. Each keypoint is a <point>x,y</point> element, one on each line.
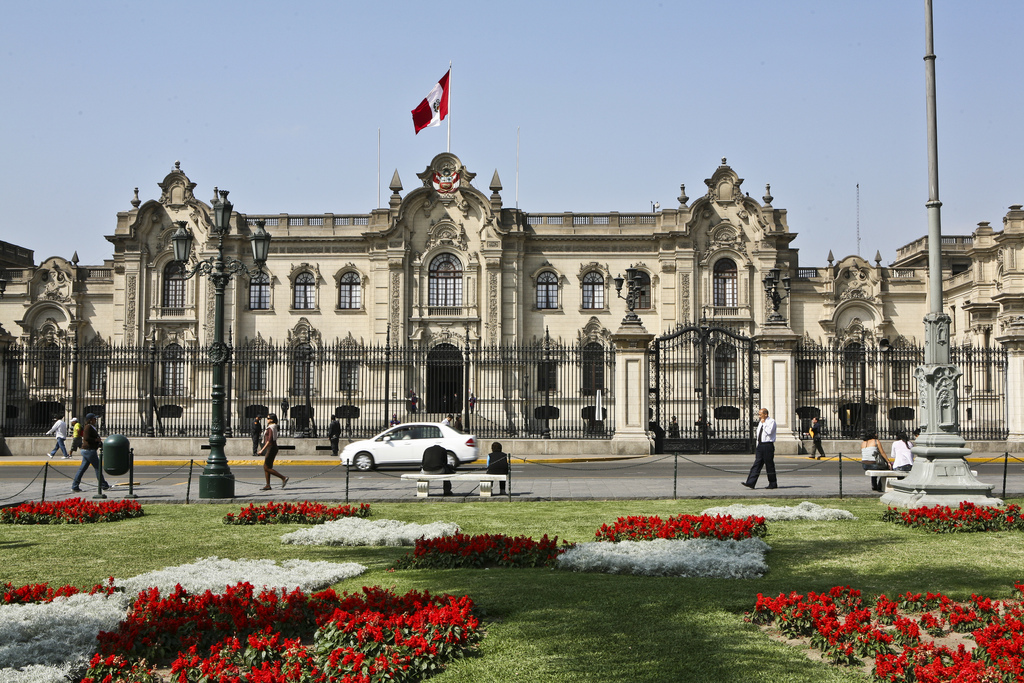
<point>764,455</point>
<point>435,461</point>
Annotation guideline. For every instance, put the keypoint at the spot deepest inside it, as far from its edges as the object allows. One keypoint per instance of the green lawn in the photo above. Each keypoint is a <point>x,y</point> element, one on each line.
<point>545,625</point>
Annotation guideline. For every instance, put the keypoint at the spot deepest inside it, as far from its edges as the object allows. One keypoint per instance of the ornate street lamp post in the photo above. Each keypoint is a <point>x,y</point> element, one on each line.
<point>634,289</point>
<point>216,481</point>
<point>771,293</point>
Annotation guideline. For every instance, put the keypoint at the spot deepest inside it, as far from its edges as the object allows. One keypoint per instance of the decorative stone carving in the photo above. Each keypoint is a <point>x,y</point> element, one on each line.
<point>129,304</point>
<point>56,284</point>
<point>493,308</point>
<point>447,234</point>
<point>684,296</point>
<point>304,333</point>
<point>396,299</point>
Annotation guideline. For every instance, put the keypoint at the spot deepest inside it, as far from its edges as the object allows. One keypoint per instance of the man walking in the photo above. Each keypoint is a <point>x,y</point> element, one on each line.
<point>90,445</point>
<point>764,455</point>
<point>815,432</point>
<point>60,430</point>
<point>334,435</point>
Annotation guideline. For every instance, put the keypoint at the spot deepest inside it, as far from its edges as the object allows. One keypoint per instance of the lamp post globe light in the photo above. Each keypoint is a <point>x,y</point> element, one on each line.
<point>217,481</point>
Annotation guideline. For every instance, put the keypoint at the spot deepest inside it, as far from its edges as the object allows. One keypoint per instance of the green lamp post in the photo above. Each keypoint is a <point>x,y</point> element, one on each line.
<point>217,481</point>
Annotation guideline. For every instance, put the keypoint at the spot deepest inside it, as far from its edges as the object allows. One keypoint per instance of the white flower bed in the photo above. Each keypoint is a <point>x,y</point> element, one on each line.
<point>49,639</point>
<point>355,531</point>
<point>214,573</point>
<point>694,557</point>
<point>782,513</point>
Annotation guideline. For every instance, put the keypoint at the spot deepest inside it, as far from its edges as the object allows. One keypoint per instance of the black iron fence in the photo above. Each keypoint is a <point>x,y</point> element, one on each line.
<point>543,390</point>
<point>861,387</point>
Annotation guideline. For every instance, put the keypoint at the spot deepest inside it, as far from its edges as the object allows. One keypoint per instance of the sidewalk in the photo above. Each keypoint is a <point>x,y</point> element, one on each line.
<point>708,477</point>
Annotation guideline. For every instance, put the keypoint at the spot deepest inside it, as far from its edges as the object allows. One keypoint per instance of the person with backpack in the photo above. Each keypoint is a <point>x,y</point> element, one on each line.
<point>91,444</point>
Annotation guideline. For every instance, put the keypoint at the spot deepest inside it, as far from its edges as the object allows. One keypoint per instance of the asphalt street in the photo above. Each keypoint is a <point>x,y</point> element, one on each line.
<point>653,477</point>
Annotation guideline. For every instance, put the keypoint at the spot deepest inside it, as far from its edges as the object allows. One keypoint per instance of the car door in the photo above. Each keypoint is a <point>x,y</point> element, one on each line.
<point>426,436</point>
<point>397,446</point>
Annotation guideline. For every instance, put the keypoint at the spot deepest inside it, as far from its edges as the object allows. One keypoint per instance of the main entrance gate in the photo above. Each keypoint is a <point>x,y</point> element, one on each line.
<point>704,384</point>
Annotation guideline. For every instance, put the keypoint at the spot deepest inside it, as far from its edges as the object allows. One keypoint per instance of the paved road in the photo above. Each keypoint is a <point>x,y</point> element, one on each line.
<point>655,477</point>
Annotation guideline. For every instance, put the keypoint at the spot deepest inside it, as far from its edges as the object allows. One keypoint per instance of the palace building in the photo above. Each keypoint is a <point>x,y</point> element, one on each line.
<point>512,319</point>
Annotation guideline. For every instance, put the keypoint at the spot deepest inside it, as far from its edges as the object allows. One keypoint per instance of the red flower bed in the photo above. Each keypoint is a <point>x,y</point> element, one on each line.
<point>295,513</point>
<point>70,511</point>
<point>847,630</point>
<point>643,528</point>
<point>966,518</point>
<point>41,592</point>
<point>484,550</point>
<point>244,636</point>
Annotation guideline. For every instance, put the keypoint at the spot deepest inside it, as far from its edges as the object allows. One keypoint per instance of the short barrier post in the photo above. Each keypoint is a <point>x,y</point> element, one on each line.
<point>347,468</point>
<point>840,476</point>
<point>188,488</point>
<point>675,478</point>
<point>46,469</point>
<point>1006,463</point>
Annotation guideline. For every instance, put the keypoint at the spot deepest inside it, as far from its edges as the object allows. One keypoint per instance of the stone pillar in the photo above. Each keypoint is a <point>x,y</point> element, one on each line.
<point>778,385</point>
<point>1013,342</point>
<point>632,389</point>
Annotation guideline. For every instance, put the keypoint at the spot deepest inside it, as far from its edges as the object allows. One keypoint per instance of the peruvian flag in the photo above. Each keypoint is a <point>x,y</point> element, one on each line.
<point>432,110</point>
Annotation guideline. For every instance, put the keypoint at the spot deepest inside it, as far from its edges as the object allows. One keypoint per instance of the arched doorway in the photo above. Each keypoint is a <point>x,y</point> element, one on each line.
<point>444,379</point>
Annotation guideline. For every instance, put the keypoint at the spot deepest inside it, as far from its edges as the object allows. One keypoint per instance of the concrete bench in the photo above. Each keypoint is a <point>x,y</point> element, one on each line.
<point>486,481</point>
<point>888,475</point>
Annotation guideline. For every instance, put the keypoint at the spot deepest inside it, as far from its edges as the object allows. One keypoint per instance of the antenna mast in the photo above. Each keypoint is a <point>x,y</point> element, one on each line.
<point>858,219</point>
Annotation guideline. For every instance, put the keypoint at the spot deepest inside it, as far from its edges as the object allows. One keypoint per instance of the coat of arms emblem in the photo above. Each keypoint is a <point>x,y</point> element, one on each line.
<point>446,181</point>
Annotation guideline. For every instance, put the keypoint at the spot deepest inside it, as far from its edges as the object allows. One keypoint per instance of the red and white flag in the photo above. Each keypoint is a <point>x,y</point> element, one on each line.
<point>434,107</point>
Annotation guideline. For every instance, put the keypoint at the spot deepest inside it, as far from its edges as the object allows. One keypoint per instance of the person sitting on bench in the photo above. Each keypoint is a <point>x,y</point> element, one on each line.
<point>435,461</point>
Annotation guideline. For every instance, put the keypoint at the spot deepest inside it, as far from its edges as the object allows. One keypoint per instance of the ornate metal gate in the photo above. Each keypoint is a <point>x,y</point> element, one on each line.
<point>704,384</point>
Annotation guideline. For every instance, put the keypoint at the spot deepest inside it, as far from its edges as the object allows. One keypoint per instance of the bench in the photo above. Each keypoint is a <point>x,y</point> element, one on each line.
<point>888,475</point>
<point>486,481</point>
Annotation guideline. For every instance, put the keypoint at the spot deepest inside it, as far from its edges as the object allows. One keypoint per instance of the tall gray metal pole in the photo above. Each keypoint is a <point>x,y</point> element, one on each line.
<point>940,475</point>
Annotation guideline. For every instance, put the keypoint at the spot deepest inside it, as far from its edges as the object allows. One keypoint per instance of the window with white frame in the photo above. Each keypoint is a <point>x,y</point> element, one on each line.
<point>643,283</point>
<point>350,291</point>
<point>259,292</point>
<point>305,291</point>
<point>547,290</point>
<point>174,286</point>
<point>725,282</point>
<point>445,281</point>
<point>593,290</point>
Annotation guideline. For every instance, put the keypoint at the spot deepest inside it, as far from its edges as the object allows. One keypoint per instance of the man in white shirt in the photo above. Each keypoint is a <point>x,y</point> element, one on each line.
<point>60,430</point>
<point>764,455</point>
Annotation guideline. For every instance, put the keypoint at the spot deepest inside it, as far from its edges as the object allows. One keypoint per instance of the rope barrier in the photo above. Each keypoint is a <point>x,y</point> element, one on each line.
<point>26,485</point>
<point>554,466</point>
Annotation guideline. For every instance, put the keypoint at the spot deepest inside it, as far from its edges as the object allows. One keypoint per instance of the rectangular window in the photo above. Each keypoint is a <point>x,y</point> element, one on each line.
<point>547,376</point>
<point>901,374</point>
<point>258,376</point>
<point>805,375</point>
<point>348,375</point>
<point>97,375</point>
<point>174,378</point>
<point>259,295</point>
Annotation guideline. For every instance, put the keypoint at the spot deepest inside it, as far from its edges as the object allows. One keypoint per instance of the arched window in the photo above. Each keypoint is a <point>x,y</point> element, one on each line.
<point>174,286</point>
<point>259,292</point>
<point>593,290</point>
<point>593,369</point>
<point>445,281</point>
<point>725,282</point>
<point>725,370</point>
<point>305,291</point>
<point>547,290</point>
<point>853,356</point>
<point>173,372</point>
<point>350,291</point>
<point>643,281</point>
<point>51,365</point>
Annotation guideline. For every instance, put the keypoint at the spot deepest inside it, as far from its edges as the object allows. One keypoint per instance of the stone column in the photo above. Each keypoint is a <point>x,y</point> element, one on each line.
<point>632,389</point>
<point>1013,342</point>
<point>778,385</point>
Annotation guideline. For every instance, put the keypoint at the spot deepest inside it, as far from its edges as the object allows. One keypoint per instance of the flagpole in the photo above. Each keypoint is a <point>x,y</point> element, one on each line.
<point>517,168</point>
<point>378,167</point>
<point>449,117</point>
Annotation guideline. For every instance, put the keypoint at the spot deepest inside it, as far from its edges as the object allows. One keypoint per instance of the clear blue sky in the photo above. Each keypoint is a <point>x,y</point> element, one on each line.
<point>618,103</point>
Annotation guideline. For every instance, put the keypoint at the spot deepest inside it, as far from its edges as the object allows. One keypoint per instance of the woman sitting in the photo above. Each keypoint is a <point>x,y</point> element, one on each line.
<point>872,457</point>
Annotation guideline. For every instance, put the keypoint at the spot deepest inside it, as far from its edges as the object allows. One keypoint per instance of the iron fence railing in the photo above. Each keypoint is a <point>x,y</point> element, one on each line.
<point>861,387</point>
<point>544,390</point>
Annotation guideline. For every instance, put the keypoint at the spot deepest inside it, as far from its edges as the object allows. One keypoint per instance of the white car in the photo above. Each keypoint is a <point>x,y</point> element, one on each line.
<point>404,445</point>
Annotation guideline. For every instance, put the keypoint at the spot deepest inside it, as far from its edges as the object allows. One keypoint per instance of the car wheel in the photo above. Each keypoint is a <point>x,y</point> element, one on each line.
<point>453,462</point>
<point>363,462</point>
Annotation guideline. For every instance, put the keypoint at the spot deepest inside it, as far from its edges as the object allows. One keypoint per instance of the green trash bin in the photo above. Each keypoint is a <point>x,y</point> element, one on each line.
<point>116,456</point>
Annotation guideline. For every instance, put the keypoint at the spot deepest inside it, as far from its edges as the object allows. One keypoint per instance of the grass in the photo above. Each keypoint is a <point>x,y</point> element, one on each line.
<point>545,625</point>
